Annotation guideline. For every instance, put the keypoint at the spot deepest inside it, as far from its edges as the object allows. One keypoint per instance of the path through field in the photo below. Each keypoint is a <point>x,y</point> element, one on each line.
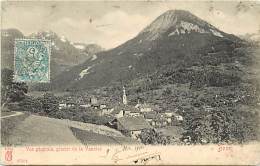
<point>14,114</point>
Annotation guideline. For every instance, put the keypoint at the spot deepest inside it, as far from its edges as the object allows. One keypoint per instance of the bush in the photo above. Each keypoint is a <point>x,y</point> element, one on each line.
<point>150,136</point>
<point>49,103</point>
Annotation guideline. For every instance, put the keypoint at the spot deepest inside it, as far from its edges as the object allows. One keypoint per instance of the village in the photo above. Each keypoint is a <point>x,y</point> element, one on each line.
<point>130,120</point>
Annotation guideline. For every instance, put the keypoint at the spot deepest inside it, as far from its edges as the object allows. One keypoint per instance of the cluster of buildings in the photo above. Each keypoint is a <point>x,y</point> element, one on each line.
<point>128,119</point>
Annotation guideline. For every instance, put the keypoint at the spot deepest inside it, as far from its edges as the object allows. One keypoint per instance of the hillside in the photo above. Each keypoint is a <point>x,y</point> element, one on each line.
<point>176,38</point>
<point>50,131</point>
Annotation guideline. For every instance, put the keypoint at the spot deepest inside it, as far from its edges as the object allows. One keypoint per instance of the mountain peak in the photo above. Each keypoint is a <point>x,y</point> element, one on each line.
<point>177,13</point>
<point>45,34</point>
<point>178,22</point>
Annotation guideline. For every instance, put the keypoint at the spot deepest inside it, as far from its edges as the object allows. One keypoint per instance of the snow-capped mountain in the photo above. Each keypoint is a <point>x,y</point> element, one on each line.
<point>89,49</point>
<point>177,22</point>
<point>253,37</point>
<point>64,53</point>
<point>176,38</point>
<point>80,46</point>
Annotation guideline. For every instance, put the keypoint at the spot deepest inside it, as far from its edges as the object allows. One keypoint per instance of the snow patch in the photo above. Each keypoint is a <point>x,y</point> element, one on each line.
<point>94,57</point>
<point>138,54</point>
<point>78,46</point>
<point>182,31</point>
<point>216,33</point>
<point>174,32</point>
<point>187,26</point>
<point>56,48</point>
<point>63,39</point>
<point>84,72</point>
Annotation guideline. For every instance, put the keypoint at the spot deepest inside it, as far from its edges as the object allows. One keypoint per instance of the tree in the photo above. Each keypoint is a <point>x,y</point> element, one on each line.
<point>220,125</point>
<point>11,91</point>
<point>50,103</point>
<point>167,91</point>
<point>150,136</point>
<point>30,104</point>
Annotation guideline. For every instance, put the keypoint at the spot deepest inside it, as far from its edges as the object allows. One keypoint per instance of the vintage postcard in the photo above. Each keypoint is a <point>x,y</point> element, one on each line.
<point>130,82</point>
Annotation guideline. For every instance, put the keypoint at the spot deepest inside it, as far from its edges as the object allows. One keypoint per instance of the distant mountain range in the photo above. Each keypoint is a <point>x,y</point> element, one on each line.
<point>65,54</point>
<point>252,37</point>
<point>175,39</point>
<point>89,49</point>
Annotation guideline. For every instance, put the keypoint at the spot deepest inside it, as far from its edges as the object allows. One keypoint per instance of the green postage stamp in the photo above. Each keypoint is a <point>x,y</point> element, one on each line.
<point>32,60</point>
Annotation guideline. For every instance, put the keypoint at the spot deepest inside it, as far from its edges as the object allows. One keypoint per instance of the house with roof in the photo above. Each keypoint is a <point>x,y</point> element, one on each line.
<point>102,105</point>
<point>157,119</point>
<point>177,116</point>
<point>172,115</point>
<point>118,112</point>
<point>122,110</point>
<point>85,105</point>
<point>62,105</point>
<point>143,107</point>
<point>176,119</point>
<point>95,106</point>
<point>67,104</point>
<point>134,112</point>
<point>168,113</point>
<point>131,126</point>
<point>105,111</point>
<point>160,122</point>
<point>168,116</point>
<point>150,117</point>
<point>208,108</point>
<point>93,100</point>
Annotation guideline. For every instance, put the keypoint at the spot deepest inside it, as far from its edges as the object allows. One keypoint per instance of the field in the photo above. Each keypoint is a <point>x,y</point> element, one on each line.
<point>87,137</point>
<point>24,129</point>
<point>8,125</point>
<point>91,138</point>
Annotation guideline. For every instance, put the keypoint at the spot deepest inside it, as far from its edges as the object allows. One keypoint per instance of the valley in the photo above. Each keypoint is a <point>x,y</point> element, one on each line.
<point>180,74</point>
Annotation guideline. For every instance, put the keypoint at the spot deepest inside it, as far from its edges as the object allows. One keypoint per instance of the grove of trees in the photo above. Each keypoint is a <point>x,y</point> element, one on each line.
<point>11,91</point>
<point>221,125</point>
<point>151,136</point>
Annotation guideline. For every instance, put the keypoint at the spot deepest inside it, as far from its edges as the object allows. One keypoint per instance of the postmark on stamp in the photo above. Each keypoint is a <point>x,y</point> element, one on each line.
<point>32,60</point>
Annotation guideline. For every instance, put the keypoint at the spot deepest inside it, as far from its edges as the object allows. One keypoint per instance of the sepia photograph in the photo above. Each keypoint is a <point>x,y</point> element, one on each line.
<point>88,76</point>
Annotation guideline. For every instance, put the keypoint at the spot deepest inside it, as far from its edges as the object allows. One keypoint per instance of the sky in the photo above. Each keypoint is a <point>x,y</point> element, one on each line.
<point>111,23</point>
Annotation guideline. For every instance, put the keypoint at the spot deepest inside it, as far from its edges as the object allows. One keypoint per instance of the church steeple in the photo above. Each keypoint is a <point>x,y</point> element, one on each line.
<point>124,97</point>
